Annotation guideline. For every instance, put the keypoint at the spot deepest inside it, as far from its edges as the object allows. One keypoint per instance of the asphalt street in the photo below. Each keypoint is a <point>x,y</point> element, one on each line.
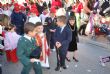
<point>88,56</point>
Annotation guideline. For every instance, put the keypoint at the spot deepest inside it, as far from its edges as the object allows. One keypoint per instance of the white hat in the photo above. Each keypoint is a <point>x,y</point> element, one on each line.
<point>60,11</point>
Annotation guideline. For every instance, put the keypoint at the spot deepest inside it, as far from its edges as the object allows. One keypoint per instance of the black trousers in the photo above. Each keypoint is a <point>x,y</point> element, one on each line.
<point>61,55</point>
<point>82,29</point>
<point>50,39</point>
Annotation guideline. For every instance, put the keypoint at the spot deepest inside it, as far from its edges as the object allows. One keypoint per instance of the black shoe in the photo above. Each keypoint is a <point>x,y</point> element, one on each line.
<point>85,34</point>
<point>68,59</point>
<point>75,59</point>
<point>79,33</point>
<point>57,68</point>
<point>65,67</point>
<point>48,68</point>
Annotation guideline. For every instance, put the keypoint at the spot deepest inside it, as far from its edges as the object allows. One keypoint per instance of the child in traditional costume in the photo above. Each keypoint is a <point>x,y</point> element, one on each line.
<point>10,44</point>
<point>42,42</point>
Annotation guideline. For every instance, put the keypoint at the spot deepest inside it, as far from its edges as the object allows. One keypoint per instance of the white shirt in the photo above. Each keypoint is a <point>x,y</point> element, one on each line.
<point>62,28</point>
<point>11,40</point>
<point>34,19</point>
<point>7,12</point>
<point>28,37</point>
<point>11,8</point>
<point>43,17</point>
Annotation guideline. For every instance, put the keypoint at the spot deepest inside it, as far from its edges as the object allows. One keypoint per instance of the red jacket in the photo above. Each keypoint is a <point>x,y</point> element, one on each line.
<point>56,3</point>
<point>78,7</point>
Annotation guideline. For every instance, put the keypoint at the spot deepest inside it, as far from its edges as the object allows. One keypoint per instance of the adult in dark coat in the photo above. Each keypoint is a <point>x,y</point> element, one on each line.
<point>18,19</point>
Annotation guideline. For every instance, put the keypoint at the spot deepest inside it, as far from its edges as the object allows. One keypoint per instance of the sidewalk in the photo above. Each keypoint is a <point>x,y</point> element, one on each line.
<point>99,41</point>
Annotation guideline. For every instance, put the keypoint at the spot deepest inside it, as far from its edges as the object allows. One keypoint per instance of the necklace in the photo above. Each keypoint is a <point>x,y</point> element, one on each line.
<point>71,28</point>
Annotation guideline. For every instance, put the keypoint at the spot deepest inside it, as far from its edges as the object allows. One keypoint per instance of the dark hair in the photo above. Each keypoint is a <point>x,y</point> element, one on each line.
<point>9,27</point>
<point>72,18</point>
<point>44,5</point>
<point>61,18</point>
<point>38,24</point>
<point>69,8</point>
<point>29,27</point>
<point>25,4</point>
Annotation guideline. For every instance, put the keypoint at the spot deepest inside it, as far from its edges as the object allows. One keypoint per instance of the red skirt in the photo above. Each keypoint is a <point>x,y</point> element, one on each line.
<point>11,56</point>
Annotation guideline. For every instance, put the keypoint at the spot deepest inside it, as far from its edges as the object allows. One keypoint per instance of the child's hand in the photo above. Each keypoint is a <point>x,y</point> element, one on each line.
<point>51,30</point>
<point>32,60</point>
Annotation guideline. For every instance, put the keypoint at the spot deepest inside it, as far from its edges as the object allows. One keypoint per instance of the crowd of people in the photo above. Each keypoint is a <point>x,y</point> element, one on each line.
<point>30,31</point>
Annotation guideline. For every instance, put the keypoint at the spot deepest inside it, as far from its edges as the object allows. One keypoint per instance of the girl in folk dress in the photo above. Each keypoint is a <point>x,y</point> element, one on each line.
<point>42,42</point>
<point>10,44</point>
